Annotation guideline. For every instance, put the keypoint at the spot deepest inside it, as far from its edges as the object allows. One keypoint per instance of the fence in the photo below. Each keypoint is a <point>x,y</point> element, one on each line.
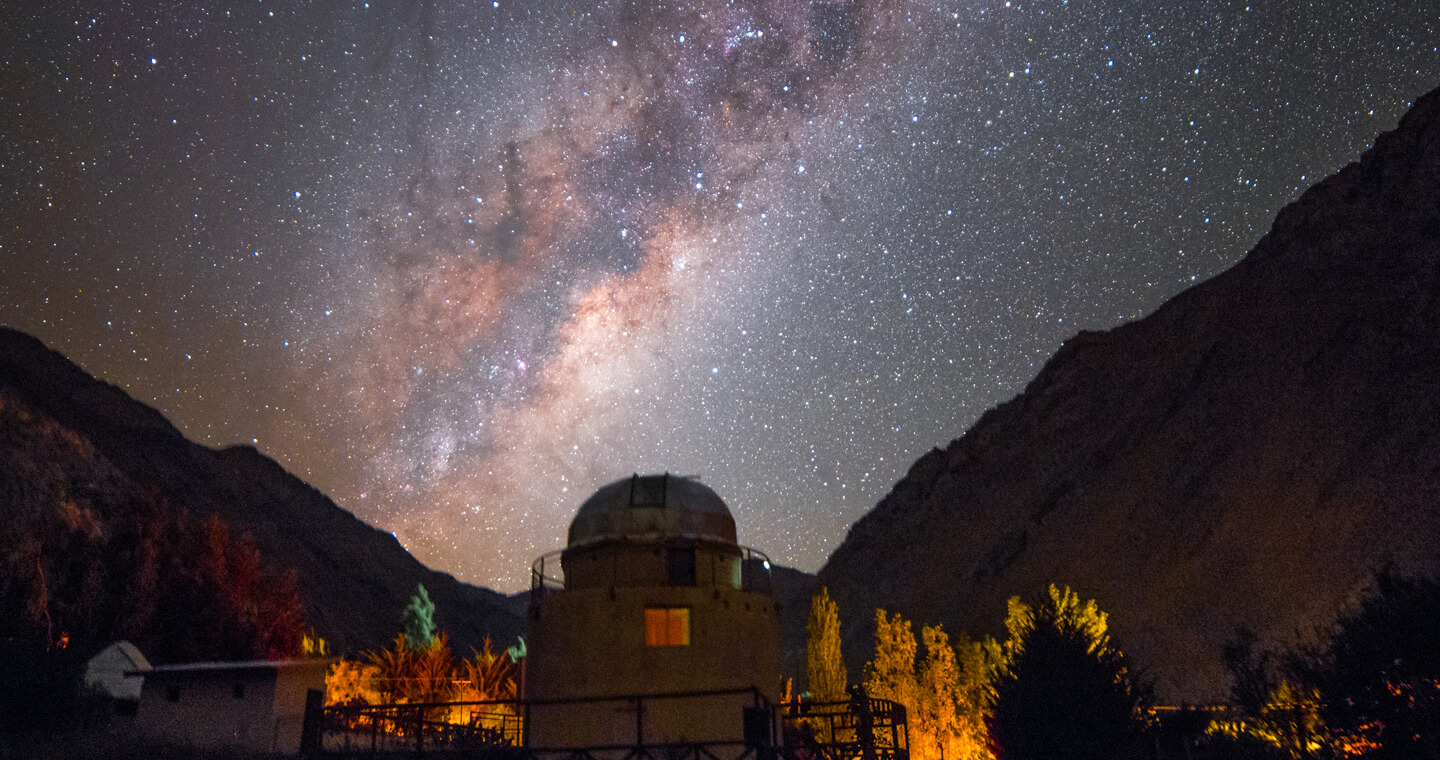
<point>857,729</point>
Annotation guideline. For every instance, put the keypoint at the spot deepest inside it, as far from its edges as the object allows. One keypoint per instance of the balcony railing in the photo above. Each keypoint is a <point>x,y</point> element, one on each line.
<point>855,729</point>
<point>547,573</point>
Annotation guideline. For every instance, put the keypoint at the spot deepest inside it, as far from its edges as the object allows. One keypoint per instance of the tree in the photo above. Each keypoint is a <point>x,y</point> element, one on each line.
<point>488,675</point>
<point>417,624</point>
<point>947,722</point>
<point>1061,691</point>
<point>891,674</point>
<point>824,667</point>
<point>1273,715</point>
<point>1378,678</point>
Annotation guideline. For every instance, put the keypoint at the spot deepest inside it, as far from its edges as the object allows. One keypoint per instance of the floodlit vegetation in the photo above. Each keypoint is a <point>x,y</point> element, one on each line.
<point>81,568</point>
<point>1059,687</point>
<point>420,668</point>
<point>824,667</point>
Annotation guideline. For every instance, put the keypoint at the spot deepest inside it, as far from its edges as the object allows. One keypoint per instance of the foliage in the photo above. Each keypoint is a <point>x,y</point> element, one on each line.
<point>891,674</point>
<point>1060,690</point>
<point>947,714</point>
<point>417,625</point>
<point>1378,678</point>
<point>312,646</point>
<point>1287,723</point>
<point>88,558</point>
<point>416,675</point>
<point>400,674</point>
<point>349,682</point>
<point>488,675</point>
<point>824,667</point>
<point>1271,714</point>
<point>940,692</point>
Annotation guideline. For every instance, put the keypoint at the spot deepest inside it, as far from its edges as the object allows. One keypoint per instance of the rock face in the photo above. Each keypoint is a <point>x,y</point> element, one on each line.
<point>354,579</point>
<point>1248,454</point>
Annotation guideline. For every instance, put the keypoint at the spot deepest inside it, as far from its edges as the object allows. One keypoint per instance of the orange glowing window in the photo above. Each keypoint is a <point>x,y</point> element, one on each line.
<point>667,626</point>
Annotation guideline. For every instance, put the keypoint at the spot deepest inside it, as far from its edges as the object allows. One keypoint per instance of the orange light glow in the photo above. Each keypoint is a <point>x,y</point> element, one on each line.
<point>667,626</point>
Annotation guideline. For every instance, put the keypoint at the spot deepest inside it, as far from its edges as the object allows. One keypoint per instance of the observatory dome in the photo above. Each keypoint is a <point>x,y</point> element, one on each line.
<point>652,508</point>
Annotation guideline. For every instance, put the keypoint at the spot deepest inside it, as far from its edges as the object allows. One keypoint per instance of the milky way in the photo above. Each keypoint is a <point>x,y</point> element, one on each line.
<point>458,264</point>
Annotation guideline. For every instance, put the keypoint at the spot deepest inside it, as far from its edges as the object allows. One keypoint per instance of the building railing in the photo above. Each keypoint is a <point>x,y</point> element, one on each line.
<point>421,727</point>
<point>547,572</point>
<point>861,728</point>
<point>855,729</point>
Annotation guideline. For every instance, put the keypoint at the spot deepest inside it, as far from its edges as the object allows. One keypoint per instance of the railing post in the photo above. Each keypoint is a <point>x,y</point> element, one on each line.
<point>312,730</point>
<point>639,722</point>
<point>525,727</point>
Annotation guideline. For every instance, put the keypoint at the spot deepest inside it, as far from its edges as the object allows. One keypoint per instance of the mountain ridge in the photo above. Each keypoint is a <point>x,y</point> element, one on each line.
<point>354,579</point>
<point>1249,454</point>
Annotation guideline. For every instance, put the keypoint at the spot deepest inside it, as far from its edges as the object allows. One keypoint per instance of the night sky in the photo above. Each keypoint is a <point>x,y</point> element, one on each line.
<point>457,264</point>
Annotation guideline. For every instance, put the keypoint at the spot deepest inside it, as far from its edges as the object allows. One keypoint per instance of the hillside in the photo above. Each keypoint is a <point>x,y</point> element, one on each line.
<point>1248,454</point>
<point>83,447</point>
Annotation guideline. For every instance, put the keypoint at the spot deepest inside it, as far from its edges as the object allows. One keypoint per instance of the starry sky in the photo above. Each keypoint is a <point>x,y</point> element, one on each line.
<point>457,264</point>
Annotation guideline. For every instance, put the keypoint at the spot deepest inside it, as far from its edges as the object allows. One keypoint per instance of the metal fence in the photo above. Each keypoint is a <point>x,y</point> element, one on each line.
<point>856,729</point>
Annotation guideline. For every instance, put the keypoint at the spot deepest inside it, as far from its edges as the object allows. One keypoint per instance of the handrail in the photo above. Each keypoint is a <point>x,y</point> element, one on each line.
<point>862,728</point>
<point>547,572</point>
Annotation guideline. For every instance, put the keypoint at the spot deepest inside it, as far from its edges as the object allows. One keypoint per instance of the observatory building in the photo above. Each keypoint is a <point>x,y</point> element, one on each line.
<point>653,625</point>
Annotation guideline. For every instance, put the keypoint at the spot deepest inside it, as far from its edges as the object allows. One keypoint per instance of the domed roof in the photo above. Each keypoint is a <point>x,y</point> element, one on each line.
<point>650,508</point>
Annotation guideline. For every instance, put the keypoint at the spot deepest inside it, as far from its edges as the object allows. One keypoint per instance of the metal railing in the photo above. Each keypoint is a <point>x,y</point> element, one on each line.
<point>547,572</point>
<point>862,728</point>
<point>421,727</point>
<point>856,729</point>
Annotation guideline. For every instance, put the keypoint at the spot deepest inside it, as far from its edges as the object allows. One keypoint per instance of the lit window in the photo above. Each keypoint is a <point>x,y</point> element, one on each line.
<point>667,626</point>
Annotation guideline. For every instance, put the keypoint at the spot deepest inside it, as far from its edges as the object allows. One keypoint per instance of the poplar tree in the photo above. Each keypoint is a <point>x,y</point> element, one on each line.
<point>945,717</point>
<point>891,675</point>
<point>824,667</point>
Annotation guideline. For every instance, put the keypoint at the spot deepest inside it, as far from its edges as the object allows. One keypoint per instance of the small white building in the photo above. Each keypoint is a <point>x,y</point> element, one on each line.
<point>117,672</point>
<point>256,706</point>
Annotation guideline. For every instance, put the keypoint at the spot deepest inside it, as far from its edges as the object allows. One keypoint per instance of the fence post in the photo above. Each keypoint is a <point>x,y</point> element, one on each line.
<point>639,722</point>
<point>314,722</point>
<point>525,727</point>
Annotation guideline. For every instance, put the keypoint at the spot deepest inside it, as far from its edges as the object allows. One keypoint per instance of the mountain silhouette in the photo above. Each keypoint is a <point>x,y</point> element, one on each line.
<point>84,448</point>
<point>1249,454</point>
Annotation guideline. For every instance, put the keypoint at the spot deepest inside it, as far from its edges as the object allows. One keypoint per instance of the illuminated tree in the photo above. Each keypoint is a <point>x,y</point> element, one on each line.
<point>1378,678</point>
<point>353,683</point>
<point>417,625</point>
<point>1271,715</point>
<point>488,675</point>
<point>1061,692</point>
<point>947,720</point>
<point>413,675</point>
<point>824,667</point>
<point>891,674</point>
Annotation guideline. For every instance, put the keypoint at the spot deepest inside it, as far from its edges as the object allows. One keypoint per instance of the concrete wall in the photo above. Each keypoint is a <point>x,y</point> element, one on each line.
<point>590,642</point>
<point>267,716</point>
<point>207,712</point>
